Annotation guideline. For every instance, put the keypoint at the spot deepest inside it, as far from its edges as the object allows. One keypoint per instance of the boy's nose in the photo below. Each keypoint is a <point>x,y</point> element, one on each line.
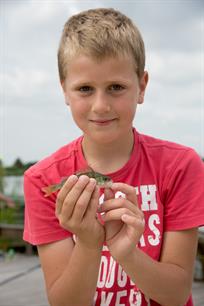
<point>100,104</point>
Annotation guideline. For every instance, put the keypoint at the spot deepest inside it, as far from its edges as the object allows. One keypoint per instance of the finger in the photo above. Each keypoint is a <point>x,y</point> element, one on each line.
<point>108,194</point>
<point>70,182</point>
<point>136,226</point>
<point>133,220</point>
<point>84,201</point>
<point>128,190</point>
<point>93,205</point>
<point>116,214</point>
<point>120,203</point>
<point>70,196</point>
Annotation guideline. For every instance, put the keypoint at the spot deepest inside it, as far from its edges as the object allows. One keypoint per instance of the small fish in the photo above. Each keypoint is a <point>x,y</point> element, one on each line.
<point>103,181</point>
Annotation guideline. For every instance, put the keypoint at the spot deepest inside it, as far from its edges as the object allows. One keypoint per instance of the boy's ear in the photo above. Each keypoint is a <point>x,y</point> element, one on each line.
<point>66,100</point>
<point>64,92</point>
<point>63,85</point>
<point>143,84</point>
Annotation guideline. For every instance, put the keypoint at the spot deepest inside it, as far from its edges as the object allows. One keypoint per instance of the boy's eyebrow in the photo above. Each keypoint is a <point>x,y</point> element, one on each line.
<point>80,83</point>
<point>91,83</point>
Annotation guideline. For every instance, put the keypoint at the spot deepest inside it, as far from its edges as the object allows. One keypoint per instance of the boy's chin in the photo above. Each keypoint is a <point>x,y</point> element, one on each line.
<point>104,137</point>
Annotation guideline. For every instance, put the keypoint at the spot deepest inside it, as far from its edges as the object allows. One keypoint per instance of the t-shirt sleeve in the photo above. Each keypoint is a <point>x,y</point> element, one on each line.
<point>184,203</point>
<point>40,223</point>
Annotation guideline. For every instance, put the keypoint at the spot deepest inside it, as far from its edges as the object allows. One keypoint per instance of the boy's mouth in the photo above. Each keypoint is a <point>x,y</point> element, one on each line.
<point>103,121</point>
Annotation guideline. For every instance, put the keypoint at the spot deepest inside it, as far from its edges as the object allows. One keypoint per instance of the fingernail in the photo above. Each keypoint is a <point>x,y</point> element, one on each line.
<point>93,181</point>
<point>73,176</point>
<point>99,209</point>
<point>124,217</point>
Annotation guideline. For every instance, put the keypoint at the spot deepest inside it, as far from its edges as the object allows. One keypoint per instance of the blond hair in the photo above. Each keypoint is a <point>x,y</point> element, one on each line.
<point>100,33</point>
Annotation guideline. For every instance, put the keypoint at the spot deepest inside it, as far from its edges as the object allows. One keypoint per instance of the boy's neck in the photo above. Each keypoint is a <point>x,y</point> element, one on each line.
<point>108,158</point>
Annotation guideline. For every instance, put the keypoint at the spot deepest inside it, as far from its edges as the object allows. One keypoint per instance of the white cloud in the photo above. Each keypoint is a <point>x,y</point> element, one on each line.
<point>22,83</point>
<point>176,66</point>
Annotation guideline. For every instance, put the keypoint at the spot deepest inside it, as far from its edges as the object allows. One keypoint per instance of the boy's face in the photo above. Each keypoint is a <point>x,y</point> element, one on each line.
<point>103,96</point>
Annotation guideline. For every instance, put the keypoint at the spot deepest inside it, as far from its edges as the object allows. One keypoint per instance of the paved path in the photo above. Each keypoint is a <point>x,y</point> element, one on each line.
<point>198,293</point>
<point>22,284</point>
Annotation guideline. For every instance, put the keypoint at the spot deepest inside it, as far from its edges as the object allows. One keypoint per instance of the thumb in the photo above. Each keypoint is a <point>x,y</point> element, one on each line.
<point>108,194</point>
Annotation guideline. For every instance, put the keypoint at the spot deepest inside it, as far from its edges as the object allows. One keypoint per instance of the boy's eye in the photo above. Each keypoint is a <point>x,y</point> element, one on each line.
<point>116,87</point>
<point>85,89</point>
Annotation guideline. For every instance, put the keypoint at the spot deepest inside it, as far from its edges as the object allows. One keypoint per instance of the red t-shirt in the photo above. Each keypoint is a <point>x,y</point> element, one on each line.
<point>168,179</point>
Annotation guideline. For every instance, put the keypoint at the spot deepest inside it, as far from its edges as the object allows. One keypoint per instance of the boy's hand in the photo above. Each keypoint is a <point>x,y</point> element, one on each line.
<point>76,208</point>
<point>124,221</point>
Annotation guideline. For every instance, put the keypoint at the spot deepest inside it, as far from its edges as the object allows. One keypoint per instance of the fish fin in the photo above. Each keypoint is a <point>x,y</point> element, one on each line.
<point>90,169</point>
<point>48,190</point>
<point>84,170</point>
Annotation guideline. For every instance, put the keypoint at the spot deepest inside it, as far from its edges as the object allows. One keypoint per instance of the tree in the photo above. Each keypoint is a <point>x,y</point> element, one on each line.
<point>18,164</point>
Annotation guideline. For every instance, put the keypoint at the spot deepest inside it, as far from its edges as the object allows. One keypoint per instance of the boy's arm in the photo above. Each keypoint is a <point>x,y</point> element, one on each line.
<point>169,281</point>
<point>71,269</point>
<point>70,272</point>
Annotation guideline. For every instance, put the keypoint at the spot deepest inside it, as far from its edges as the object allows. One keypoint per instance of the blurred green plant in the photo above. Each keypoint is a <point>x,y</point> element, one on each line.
<point>12,215</point>
<point>18,167</point>
<point>7,215</point>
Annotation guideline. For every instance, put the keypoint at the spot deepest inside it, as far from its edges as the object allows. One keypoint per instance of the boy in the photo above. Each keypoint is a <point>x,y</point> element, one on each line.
<point>139,246</point>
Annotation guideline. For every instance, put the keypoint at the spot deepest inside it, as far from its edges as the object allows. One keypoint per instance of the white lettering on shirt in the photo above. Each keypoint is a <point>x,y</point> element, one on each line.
<point>148,193</point>
<point>135,298</point>
<point>118,297</point>
<point>106,300</point>
<point>102,272</point>
<point>119,194</point>
<point>154,240</point>
<point>110,273</point>
<point>122,277</point>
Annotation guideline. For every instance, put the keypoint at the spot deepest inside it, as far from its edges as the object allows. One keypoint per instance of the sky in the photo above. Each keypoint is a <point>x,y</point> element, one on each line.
<point>34,120</point>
